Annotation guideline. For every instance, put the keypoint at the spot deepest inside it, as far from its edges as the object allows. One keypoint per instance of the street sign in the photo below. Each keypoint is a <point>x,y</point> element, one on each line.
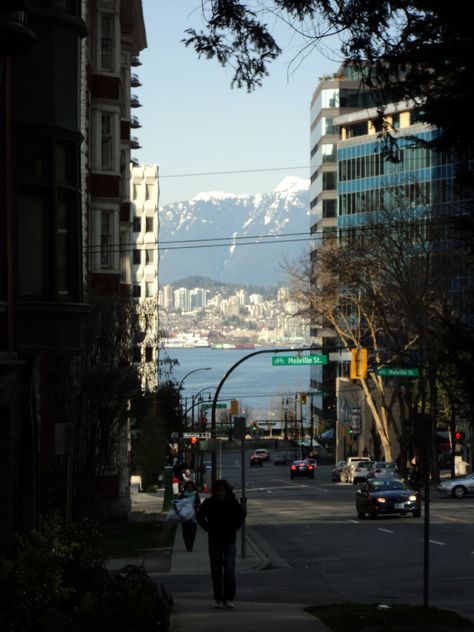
<point>198,435</point>
<point>209,406</point>
<point>397,372</point>
<point>307,360</point>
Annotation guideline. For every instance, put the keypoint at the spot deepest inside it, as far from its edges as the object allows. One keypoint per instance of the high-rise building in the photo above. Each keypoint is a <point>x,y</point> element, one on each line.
<point>334,95</point>
<point>144,269</point>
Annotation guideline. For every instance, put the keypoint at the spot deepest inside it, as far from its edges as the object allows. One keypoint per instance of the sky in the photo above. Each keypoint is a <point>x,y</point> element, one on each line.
<point>193,122</point>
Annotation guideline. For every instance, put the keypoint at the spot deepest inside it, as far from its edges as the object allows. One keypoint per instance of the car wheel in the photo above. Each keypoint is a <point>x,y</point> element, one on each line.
<point>361,515</point>
<point>459,491</point>
<point>372,514</point>
<point>292,477</point>
<point>312,476</point>
<point>417,513</point>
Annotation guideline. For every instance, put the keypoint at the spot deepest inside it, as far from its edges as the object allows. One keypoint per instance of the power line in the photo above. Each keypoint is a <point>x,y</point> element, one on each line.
<point>224,173</point>
<point>257,240</point>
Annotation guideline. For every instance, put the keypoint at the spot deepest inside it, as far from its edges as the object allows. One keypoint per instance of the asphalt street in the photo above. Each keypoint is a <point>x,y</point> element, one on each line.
<point>318,551</point>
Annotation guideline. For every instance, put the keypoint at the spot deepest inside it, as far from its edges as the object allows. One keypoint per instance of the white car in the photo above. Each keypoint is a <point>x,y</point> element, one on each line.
<point>457,487</point>
<point>356,471</point>
<point>384,469</point>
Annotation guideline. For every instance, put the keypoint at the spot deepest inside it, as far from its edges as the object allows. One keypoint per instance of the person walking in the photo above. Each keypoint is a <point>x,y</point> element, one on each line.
<point>189,527</point>
<point>221,516</point>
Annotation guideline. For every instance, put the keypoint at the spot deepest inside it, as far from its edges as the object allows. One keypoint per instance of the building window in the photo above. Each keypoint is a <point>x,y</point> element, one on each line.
<point>329,181</point>
<point>150,290</point>
<point>149,256</point>
<point>137,224</point>
<point>137,257</point>
<point>125,268</point>
<point>329,153</point>
<point>136,291</point>
<point>47,217</point>
<point>149,224</point>
<point>149,354</point>
<point>137,354</point>
<point>106,236</point>
<point>31,236</point>
<point>329,208</point>
<point>107,142</point>
<point>107,61</point>
<point>150,192</point>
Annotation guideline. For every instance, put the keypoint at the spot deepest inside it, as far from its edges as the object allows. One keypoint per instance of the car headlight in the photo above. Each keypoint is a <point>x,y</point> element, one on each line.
<point>380,500</point>
<point>412,498</point>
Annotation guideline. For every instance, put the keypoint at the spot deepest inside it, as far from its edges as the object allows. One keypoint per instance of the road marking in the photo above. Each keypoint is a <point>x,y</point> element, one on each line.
<point>354,521</point>
<point>386,530</point>
<point>436,542</point>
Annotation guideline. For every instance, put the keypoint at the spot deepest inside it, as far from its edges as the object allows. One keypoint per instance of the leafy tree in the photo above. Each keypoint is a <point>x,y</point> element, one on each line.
<point>405,49</point>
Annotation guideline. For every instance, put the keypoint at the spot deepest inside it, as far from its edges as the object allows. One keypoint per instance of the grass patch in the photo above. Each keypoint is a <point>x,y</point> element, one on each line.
<point>348,617</point>
<point>126,539</point>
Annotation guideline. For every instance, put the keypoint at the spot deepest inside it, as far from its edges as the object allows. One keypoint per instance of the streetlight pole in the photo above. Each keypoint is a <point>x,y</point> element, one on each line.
<point>180,386</point>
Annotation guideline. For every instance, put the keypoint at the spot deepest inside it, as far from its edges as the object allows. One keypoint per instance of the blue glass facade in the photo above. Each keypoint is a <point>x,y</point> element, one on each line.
<point>367,182</point>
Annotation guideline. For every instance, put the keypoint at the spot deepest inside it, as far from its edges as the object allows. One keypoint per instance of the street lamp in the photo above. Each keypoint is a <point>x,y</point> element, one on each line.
<point>180,386</point>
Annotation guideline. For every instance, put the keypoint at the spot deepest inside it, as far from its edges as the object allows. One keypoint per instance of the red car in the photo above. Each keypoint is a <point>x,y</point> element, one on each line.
<point>256,460</point>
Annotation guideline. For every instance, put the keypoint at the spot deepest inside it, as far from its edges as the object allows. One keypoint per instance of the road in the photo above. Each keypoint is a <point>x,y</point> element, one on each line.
<point>320,552</point>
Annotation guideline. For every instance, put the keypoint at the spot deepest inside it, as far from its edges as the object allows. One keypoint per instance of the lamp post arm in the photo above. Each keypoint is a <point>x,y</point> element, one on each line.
<point>226,375</point>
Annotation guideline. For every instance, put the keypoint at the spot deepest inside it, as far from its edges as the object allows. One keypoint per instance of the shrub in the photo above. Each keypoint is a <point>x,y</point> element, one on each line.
<point>59,583</point>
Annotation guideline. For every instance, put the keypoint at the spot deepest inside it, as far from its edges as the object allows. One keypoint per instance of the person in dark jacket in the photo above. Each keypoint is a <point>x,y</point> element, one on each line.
<point>221,516</point>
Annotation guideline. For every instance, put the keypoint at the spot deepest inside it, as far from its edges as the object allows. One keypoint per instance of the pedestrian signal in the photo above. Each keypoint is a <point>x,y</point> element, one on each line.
<point>194,440</point>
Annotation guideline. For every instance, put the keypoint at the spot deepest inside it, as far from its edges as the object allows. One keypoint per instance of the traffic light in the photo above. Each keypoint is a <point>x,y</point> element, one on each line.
<point>358,370</point>
<point>459,435</point>
<point>303,398</point>
<point>194,440</point>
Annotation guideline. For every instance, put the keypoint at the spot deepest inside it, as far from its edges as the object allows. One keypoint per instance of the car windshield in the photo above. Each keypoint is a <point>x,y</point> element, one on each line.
<point>384,485</point>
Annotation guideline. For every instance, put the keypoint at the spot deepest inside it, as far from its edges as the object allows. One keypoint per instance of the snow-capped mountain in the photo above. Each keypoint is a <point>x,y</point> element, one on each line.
<point>210,229</point>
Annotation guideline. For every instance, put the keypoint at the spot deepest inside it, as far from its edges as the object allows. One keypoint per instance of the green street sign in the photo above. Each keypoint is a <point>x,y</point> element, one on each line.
<point>397,372</point>
<point>209,406</point>
<point>308,360</point>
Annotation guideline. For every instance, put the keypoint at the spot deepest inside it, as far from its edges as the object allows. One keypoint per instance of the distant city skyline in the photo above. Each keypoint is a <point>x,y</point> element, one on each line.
<point>194,123</point>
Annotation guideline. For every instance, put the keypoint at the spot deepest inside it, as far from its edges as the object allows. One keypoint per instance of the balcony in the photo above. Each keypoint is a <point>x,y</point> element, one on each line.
<point>134,102</point>
<point>134,122</point>
<point>134,144</point>
<point>135,162</point>
<point>15,36</point>
<point>135,81</point>
<point>135,62</point>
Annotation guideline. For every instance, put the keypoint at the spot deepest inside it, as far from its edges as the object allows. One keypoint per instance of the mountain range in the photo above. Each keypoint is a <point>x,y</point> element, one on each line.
<point>235,238</point>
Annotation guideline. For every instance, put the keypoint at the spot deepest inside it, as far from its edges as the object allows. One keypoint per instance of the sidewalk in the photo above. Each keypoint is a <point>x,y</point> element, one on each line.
<point>199,615</point>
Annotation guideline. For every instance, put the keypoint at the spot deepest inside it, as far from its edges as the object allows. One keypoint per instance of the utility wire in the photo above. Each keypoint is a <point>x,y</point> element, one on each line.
<point>223,173</point>
<point>258,240</point>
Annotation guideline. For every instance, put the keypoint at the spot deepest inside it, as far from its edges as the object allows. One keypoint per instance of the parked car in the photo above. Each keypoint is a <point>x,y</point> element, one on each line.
<point>256,460</point>
<point>281,459</point>
<point>301,468</point>
<point>382,469</point>
<point>361,471</point>
<point>347,474</point>
<point>383,496</point>
<point>313,462</point>
<point>336,471</point>
<point>263,453</point>
<point>457,487</point>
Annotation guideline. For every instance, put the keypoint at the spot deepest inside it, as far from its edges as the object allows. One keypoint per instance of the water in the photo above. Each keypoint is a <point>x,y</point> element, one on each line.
<point>258,386</point>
